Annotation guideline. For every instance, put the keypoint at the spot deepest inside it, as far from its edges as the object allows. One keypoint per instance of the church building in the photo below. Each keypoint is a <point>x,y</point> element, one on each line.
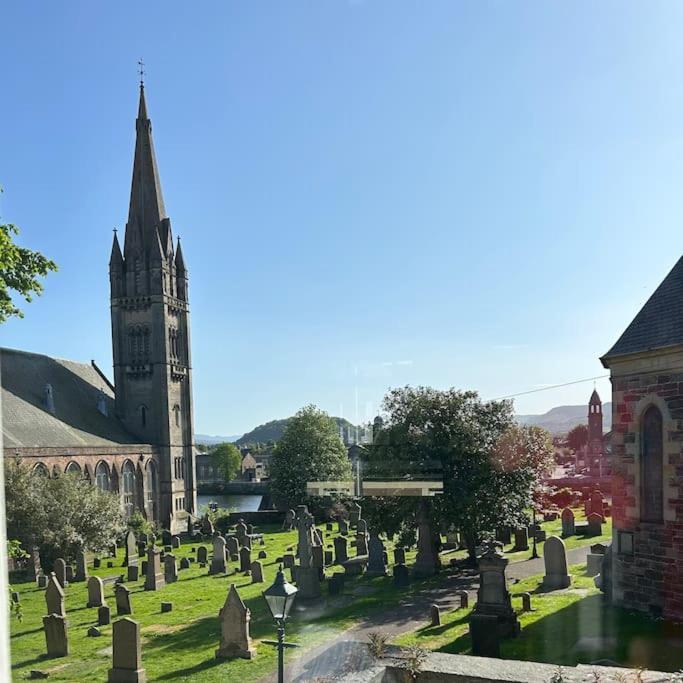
<point>133,437</point>
<point>646,370</point>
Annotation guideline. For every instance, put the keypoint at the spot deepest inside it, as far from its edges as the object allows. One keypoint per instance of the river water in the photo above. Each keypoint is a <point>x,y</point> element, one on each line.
<point>232,502</point>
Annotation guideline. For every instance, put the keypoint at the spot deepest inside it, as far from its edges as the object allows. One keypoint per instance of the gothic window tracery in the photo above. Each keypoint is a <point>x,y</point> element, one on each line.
<point>128,476</point>
<point>102,476</point>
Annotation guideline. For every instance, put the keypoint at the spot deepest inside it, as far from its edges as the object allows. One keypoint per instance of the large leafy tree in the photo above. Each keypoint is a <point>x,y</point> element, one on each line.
<point>310,450</point>
<point>488,464</point>
<point>59,515</point>
<point>20,269</point>
<point>228,458</point>
<point>577,437</point>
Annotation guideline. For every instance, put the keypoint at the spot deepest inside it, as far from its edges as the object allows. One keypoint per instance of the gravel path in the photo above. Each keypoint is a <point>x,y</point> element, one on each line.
<point>348,651</point>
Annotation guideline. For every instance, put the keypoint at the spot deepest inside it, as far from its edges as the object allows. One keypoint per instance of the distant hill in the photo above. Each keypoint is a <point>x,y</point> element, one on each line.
<point>561,419</point>
<point>211,440</point>
<point>273,430</point>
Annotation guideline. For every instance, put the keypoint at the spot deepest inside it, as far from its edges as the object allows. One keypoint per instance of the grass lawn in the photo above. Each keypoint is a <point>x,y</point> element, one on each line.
<point>567,627</point>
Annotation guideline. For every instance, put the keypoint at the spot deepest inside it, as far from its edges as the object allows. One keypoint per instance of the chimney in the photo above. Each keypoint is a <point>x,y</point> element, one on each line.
<point>48,398</point>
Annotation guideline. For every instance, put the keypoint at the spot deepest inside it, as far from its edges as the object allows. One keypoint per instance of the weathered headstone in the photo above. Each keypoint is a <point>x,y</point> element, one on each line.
<point>262,554</point>
<point>42,581</point>
<point>185,563</point>
<point>122,595</point>
<point>202,554</point>
<point>256,572</point>
<point>126,653</point>
<point>133,572</point>
<point>594,563</point>
<point>103,615</point>
<point>131,550</point>
<point>340,551</point>
<point>245,559</point>
<point>288,560</point>
<point>246,542</point>
<point>361,544</point>
<point>166,607</point>
<point>485,635</point>
<point>207,527</point>
<point>166,537</point>
<point>241,531</point>
<point>95,592</point>
<point>70,574</point>
<point>354,513</point>
<point>335,585</point>
<point>288,523</point>
<point>399,556</point>
<point>218,559</point>
<point>376,565</point>
<point>143,567</point>
<point>81,567</point>
<point>401,576</point>
<point>175,542</point>
<point>308,576</point>
<point>427,562</point>
<point>235,617</point>
<point>60,571</point>
<point>170,569</point>
<point>328,558</point>
<point>154,579</point>
<point>555,558</point>
<point>232,546</point>
<point>521,539</point>
<point>503,535</point>
<point>56,636</point>
<point>568,523</point>
<point>435,615</point>
<point>595,524</point>
<point>97,563</point>
<point>54,597</point>
<point>526,602</point>
<point>318,560</point>
<point>464,599</point>
<point>94,632</point>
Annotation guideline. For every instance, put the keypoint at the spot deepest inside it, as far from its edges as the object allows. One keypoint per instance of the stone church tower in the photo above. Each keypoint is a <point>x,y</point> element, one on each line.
<point>150,318</point>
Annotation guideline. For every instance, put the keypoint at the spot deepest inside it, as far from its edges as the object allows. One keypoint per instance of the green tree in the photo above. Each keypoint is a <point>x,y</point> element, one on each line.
<point>489,465</point>
<point>310,450</point>
<point>577,437</point>
<point>59,515</point>
<point>228,459</point>
<point>20,269</point>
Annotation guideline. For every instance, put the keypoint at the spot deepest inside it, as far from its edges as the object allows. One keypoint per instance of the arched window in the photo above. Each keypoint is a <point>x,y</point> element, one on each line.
<point>152,488</point>
<point>40,470</point>
<point>102,476</point>
<point>128,476</point>
<point>73,468</point>
<point>651,466</point>
<point>176,413</point>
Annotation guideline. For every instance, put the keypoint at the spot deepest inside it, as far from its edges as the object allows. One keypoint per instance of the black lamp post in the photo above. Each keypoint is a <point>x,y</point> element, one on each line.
<point>280,597</point>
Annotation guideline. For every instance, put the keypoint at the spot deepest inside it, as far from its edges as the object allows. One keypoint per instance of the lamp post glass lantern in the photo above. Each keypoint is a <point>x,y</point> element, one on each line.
<point>279,598</point>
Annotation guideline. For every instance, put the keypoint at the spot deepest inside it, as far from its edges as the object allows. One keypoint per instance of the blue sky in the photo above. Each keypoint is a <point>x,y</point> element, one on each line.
<point>471,194</point>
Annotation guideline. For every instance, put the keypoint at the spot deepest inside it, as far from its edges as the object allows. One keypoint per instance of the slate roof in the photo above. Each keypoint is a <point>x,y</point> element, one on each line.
<point>660,321</point>
<point>76,388</point>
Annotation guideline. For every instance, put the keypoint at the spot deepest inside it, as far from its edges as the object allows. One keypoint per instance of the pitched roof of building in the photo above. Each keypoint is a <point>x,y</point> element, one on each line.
<point>660,321</point>
<point>76,389</point>
<point>595,398</point>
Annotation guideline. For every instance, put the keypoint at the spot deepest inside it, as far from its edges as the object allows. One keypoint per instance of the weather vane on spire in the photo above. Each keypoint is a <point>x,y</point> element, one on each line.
<point>141,71</point>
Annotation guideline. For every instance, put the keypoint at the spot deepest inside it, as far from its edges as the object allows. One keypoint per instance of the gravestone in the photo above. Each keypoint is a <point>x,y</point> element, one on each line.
<point>262,554</point>
<point>54,597</point>
<point>435,615</point>
<point>568,523</point>
<point>234,617</point>
<point>597,504</point>
<point>361,544</point>
<point>540,535</point>
<point>521,539</point>
<point>318,560</point>
<point>142,548</point>
<point>133,572</point>
<point>399,556</point>
<point>335,586</point>
<point>485,635</point>
<point>202,554</point>
<point>401,576</point>
<point>143,567</point>
<point>343,526</point>
<point>166,537</point>
<point>218,559</point>
<point>126,653</point>
<point>103,615</point>
<point>143,538</point>
<point>356,565</point>
<point>60,572</point>
<point>427,562</point>
<point>207,527</point>
<point>288,523</point>
<point>328,558</point>
<point>154,579</point>
<point>42,581</point>
<point>175,542</point>
<point>340,550</point>
<point>594,563</point>
<point>526,602</point>
<point>56,636</point>
<point>595,524</point>
<point>122,596</point>
<point>245,559</point>
<point>170,569</point>
<point>555,558</point>
<point>464,599</point>
<point>376,565</point>
<point>232,546</point>
<point>166,607</point>
<point>354,513</point>
<point>69,574</point>
<point>246,542</point>
<point>81,567</point>
<point>504,535</point>
<point>307,576</point>
<point>131,550</point>
<point>361,526</point>
<point>96,563</point>
<point>95,592</point>
<point>256,572</point>
<point>288,560</point>
<point>241,531</point>
<point>493,598</point>
<point>185,563</point>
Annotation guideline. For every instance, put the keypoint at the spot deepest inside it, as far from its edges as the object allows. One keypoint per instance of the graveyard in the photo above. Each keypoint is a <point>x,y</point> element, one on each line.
<point>178,614</point>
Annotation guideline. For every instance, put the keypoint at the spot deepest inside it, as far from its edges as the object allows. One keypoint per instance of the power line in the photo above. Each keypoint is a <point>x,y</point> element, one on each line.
<point>548,388</point>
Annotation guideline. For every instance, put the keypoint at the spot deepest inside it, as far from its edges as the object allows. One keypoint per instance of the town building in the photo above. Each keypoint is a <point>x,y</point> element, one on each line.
<point>135,436</point>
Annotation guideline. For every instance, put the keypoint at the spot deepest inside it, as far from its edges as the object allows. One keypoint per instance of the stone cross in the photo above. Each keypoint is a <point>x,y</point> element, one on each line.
<point>235,617</point>
<point>81,566</point>
<point>54,597</point>
<point>170,569</point>
<point>555,558</point>
<point>256,572</point>
<point>126,653</point>
<point>56,637</point>
<point>218,559</point>
<point>154,578</point>
<point>95,592</point>
<point>568,523</point>
<point>376,565</point>
<point>60,571</point>
<point>122,595</point>
<point>305,525</point>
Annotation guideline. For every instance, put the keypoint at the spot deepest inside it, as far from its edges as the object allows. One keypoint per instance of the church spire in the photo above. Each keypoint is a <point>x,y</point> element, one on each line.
<point>146,208</point>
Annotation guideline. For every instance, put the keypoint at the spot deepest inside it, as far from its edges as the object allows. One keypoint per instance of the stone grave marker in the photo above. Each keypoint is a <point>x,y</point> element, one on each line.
<point>234,617</point>
<point>241,531</point>
<point>343,526</point>
<point>95,592</point>
<point>232,546</point>
<point>207,527</point>
<point>60,571</point>
<point>521,539</point>
<point>594,563</point>
<point>464,599</point>
<point>126,653</point>
<point>526,602</point>
<point>555,558</point>
<point>504,535</point>
<point>262,554</point>
<point>154,579</point>
<point>166,607</point>
<point>202,554</point>
<point>170,569</point>
<point>568,523</point>
<point>288,560</point>
<point>484,635</point>
<point>131,550</point>
<point>218,558</point>
<point>166,537</point>
<point>597,504</point>
<point>401,576</point>
<point>143,567</point>
<point>435,615</point>
<point>56,636</point>
<point>81,567</point>
<point>354,513</point>
<point>94,632</point>
<point>376,565</point>
<point>595,524</point>
<point>246,542</point>
<point>69,574</point>
<point>340,551</point>
<point>185,563</point>
<point>175,542</point>
<point>245,559</point>
<point>42,581</point>
<point>361,544</point>
<point>328,558</point>
<point>54,597</point>
<point>122,596</point>
<point>288,523</point>
<point>308,576</point>
<point>256,572</point>
<point>318,558</point>
<point>103,615</point>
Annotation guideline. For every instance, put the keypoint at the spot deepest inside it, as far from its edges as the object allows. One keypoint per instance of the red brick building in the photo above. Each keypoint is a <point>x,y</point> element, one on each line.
<point>646,369</point>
